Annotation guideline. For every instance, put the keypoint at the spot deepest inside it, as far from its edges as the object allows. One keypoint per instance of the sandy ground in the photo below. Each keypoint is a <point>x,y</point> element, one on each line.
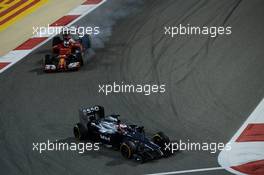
<point>21,30</point>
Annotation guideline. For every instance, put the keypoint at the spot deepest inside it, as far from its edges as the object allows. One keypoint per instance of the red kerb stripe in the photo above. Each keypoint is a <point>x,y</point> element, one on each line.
<point>31,43</point>
<point>65,20</point>
<point>252,168</point>
<point>92,2</point>
<point>252,133</point>
<point>3,64</point>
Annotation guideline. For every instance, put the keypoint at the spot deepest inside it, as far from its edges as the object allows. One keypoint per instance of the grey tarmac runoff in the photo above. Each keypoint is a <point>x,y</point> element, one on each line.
<point>212,86</point>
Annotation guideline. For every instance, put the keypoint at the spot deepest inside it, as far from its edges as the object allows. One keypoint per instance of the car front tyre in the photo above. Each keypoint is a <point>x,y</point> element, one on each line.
<point>127,149</point>
<point>161,140</point>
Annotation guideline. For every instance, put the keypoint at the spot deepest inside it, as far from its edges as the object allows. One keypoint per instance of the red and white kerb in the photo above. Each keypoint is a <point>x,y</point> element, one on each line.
<point>247,153</point>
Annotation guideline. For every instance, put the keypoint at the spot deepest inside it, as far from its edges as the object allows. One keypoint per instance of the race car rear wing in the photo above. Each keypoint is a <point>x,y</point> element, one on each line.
<point>88,114</point>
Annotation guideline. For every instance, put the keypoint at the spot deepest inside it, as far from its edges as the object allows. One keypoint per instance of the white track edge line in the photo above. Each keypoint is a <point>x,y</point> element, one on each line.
<point>188,171</point>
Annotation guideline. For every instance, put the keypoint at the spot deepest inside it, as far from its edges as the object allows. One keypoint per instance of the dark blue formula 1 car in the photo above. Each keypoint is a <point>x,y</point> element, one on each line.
<point>129,139</point>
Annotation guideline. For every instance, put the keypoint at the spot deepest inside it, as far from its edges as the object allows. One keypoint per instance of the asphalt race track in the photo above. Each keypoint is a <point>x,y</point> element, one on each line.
<point>212,85</point>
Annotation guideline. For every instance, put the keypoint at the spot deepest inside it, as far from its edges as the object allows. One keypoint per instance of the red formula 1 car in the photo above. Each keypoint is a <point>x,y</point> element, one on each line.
<point>67,53</point>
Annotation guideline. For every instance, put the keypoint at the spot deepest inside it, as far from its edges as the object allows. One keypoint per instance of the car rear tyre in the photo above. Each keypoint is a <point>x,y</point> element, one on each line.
<point>48,60</point>
<point>56,40</point>
<point>79,58</point>
<point>86,42</point>
<point>79,131</point>
<point>127,149</point>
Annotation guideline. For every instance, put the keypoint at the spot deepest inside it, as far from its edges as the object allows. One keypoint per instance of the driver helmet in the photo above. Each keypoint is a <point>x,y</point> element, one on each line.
<point>66,43</point>
<point>122,128</point>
